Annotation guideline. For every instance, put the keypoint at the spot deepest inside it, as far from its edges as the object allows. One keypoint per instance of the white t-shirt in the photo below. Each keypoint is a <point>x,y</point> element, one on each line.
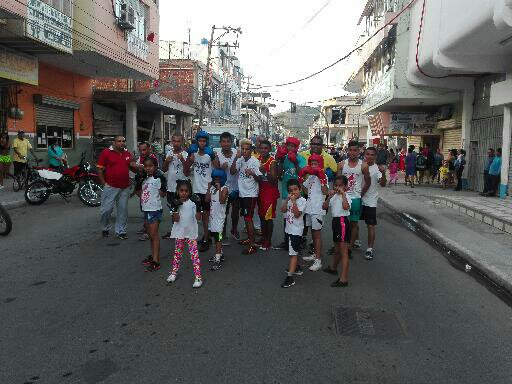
<point>232,180</point>
<point>315,196</point>
<point>247,185</point>
<point>355,179</point>
<point>295,225</point>
<point>217,211</point>
<point>186,228</point>
<point>202,173</point>
<point>150,199</point>
<point>371,196</point>
<point>336,206</point>
<point>175,171</point>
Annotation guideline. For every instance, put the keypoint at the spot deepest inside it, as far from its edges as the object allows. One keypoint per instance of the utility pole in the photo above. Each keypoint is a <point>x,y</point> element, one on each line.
<point>247,110</point>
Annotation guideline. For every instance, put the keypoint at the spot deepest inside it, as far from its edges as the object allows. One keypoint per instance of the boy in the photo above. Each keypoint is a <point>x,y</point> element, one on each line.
<point>269,193</point>
<point>174,166</point>
<point>200,158</point>
<point>248,168</point>
<point>224,159</point>
<point>293,210</point>
<point>217,196</point>
<point>316,188</point>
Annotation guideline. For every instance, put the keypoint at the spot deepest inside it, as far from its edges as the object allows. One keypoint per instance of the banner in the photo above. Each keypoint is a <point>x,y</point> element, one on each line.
<point>412,124</point>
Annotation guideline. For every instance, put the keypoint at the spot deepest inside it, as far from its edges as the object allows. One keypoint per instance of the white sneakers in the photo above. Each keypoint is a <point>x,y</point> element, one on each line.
<point>198,282</point>
<point>357,244</point>
<point>317,265</point>
<point>311,257</point>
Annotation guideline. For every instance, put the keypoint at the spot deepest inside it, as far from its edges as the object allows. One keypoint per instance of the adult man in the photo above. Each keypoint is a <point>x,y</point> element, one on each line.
<point>174,166</point>
<point>289,164</point>
<point>382,155</point>
<point>460,163</point>
<point>21,146</point>
<point>113,166</point>
<point>316,146</point>
<point>224,159</point>
<point>357,172</point>
<point>494,174</point>
<point>370,198</point>
<point>256,153</point>
<point>487,179</point>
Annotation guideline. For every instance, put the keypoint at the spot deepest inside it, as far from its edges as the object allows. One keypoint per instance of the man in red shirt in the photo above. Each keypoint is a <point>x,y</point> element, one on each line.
<point>114,165</point>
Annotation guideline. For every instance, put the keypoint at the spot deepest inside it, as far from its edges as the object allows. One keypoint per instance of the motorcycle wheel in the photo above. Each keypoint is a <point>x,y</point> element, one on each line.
<point>89,193</point>
<point>37,192</point>
<point>5,222</point>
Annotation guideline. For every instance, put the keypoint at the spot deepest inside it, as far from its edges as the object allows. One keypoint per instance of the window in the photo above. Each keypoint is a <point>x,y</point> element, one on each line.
<point>46,134</point>
<point>64,6</point>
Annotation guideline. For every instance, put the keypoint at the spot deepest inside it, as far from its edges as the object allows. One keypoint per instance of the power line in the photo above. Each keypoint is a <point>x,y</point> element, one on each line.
<point>259,86</point>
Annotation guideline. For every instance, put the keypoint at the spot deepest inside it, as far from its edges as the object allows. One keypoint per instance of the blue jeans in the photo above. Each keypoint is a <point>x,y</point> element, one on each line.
<point>119,197</point>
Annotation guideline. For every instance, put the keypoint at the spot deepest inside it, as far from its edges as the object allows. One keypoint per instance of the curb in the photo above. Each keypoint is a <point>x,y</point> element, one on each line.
<point>454,249</point>
<point>13,204</point>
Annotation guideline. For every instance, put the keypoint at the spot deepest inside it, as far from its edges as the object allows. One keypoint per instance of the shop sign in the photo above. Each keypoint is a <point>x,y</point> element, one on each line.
<point>380,92</point>
<point>412,124</point>
<point>18,67</point>
<point>137,47</point>
<point>50,26</point>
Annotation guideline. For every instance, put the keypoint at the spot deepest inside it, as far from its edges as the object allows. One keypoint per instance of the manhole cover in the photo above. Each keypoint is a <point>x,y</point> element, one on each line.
<point>367,322</point>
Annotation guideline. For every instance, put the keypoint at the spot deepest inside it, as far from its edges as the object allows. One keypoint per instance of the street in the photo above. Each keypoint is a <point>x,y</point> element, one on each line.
<point>76,308</point>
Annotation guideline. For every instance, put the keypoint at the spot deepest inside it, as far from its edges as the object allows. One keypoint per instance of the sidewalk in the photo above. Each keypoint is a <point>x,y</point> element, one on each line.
<point>474,228</point>
<point>9,198</point>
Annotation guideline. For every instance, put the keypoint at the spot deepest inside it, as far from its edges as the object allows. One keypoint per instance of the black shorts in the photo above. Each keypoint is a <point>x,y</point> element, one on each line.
<point>217,236</point>
<point>203,205</point>
<point>18,167</point>
<point>341,230</point>
<point>295,244</point>
<point>247,206</point>
<point>369,215</point>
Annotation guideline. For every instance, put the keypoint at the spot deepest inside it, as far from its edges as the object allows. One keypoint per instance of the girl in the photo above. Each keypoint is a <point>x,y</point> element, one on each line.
<point>153,188</point>
<point>217,196</point>
<point>339,204</point>
<point>5,158</point>
<point>393,171</point>
<point>184,229</point>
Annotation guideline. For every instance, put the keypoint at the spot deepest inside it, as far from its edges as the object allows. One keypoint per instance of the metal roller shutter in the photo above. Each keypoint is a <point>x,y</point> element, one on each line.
<point>452,139</point>
<point>54,117</point>
<point>414,140</point>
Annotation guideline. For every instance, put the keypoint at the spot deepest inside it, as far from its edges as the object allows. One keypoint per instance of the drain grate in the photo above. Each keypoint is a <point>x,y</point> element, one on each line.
<point>367,322</point>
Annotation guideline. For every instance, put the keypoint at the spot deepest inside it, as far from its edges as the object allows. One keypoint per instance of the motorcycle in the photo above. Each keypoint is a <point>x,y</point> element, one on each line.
<point>5,222</point>
<point>64,184</point>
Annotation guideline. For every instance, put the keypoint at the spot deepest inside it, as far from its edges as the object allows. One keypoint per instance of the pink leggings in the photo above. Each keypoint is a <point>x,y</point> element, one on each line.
<point>194,255</point>
<point>393,177</point>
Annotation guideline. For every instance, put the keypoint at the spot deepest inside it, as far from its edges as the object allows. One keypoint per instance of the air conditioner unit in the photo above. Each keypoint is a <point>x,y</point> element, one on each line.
<point>126,19</point>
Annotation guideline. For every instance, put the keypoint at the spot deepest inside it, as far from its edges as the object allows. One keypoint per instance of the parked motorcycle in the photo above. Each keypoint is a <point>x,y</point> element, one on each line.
<point>5,222</point>
<point>65,183</point>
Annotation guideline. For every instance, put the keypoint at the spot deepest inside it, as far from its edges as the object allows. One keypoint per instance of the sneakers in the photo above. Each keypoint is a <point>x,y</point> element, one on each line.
<point>105,234</point>
<point>171,278</point>
<point>141,231</point>
<point>339,283</point>
<point>122,236</point>
<point>368,255</point>
<point>153,267</point>
<point>197,283</point>
<point>288,282</point>
<point>214,257</point>
<point>309,258</point>
<point>317,265</point>
<point>298,271</point>
<point>148,260</point>
<point>357,244</point>
<point>217,264</point>
<point>330,271</point>
<point>144,237</point>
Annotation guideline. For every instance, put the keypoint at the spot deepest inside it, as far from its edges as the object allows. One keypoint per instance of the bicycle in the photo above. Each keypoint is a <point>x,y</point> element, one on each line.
<point>27,175</point>
<point>5,222</point>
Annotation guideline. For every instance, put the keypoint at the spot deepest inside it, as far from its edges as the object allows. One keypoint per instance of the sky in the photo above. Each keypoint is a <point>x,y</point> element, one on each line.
<point>276,45</point>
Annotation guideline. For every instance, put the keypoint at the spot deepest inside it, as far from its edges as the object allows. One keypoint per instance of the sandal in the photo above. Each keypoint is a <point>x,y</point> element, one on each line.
<point>250,251</point>
<point>245,242</point>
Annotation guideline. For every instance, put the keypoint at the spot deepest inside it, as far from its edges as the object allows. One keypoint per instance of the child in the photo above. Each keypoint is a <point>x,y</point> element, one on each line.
<point>217,196</point>
<point>153,188</point>
<point>444,174</point>
<point>200,157</point>
<point>339,203</point>
<point>248,168</point>
<point>393,171</point>
<point>316,188</point>
<point>185,216</point>
<point>293,210</point>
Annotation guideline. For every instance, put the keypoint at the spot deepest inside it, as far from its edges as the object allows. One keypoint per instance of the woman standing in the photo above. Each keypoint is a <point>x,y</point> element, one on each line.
<point>410,166</point>
<point>401,162</point>
<point>56,156</point>
<point>5,158</point>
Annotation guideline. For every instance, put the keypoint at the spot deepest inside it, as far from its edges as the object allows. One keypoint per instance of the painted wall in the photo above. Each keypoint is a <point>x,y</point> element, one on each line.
<point>18,7</point>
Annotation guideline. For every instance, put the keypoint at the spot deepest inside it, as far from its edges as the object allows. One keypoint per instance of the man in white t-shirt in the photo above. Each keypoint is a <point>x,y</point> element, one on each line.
<point>249,175</point>
<point>200,158</point>
<point>371,197</point>
<point>175,159</point>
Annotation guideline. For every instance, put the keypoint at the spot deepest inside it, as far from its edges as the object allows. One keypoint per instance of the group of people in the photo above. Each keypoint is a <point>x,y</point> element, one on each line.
<point>207,186</point>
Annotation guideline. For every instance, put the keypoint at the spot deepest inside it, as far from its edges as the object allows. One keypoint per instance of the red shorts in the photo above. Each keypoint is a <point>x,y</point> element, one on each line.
<point>247,206</point>
<point>267,207</point>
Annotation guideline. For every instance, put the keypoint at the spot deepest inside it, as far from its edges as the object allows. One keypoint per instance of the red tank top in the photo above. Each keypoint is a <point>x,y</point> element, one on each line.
<point>266,187</point>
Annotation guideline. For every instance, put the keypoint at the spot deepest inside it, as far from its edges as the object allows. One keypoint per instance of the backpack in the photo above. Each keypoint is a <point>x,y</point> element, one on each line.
<point>421,162</point>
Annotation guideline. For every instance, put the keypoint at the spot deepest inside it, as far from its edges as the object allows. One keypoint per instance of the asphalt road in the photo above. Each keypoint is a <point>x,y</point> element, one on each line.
<point>75,308</point>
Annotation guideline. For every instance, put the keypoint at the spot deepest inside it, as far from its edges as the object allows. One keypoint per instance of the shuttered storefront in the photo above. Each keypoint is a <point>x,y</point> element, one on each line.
<point>452,139</point>
<point>54,124</point>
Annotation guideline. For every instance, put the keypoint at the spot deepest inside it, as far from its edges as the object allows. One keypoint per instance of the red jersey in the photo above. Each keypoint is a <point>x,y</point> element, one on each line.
<point>116,167</point>
<point>267,189</point>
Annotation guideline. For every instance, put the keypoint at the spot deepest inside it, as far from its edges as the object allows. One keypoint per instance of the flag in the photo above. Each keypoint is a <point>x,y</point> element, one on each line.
<point>376,125</point>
